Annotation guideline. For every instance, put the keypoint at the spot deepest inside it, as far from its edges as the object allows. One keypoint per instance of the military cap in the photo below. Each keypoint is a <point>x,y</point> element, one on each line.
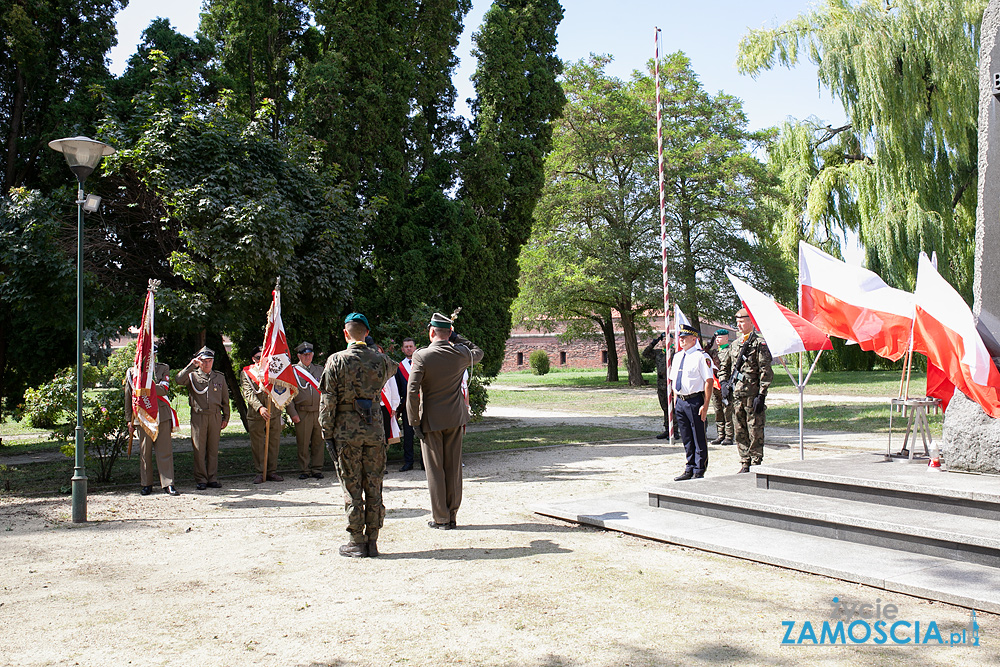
<point>686,330</point>
<point>358,317</point>
<point>205,353</point>
<point>439,321</point>
<point>304,348</point>
<point>722,332</point>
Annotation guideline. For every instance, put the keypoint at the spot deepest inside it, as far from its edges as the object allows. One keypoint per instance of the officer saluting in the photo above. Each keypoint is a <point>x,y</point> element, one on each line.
<point>208,396</point>
<point>692,378</point>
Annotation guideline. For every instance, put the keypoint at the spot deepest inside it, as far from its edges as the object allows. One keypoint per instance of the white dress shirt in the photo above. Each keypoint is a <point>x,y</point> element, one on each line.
<point>696,371</point>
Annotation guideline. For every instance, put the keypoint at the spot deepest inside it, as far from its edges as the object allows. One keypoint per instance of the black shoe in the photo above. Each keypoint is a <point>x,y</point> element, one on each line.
<point>452,525</point>
<point>406,466</point>
<point>214,485</point>
<point>170,490</point>
<point>663,436</point>
<point>274,477</point>
<point>372,549</point>
<point>145,491</point>
<point>318,475</point>
<point>304,475</point>
<point>439,526</point>
<point>717,441</point>
<point>354,550</point>
<point>201,486</point>
<point>745,468</point>
<point>727,443</point>
<point>687,474</point>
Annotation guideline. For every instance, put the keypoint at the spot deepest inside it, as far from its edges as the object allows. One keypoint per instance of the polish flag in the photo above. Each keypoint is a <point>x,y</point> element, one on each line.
<point>785,331</point>
<point>853,303</point>
<point>275,370</point>
<point>945,330</point>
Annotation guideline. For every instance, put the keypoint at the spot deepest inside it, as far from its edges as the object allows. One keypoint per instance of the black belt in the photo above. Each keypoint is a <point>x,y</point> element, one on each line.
<point>688,397</point>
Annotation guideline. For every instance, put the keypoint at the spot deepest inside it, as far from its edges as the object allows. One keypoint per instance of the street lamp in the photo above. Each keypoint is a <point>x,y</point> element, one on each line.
<point>82,154</point>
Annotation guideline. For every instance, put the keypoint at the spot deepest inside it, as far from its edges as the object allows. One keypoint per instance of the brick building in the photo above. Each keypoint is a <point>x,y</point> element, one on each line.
<point>590,352</point>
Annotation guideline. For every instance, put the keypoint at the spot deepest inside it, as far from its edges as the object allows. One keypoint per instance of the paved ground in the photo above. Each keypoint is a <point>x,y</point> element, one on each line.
<point>250,576</point>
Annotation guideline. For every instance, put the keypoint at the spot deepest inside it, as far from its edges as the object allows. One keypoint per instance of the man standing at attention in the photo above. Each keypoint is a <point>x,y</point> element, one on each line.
<point>692,377</point>
<point>261,411</point>
<point>747,368</point>
<point>352,426</point>
<point>163,445</point>
<point>402,378</point>
<point>208,396</point>
<point>723,411</point>
<point>304,411</point>
<point>437,411</point>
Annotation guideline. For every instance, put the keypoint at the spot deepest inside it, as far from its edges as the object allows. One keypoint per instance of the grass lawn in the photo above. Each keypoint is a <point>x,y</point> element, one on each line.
<point>850,418</point>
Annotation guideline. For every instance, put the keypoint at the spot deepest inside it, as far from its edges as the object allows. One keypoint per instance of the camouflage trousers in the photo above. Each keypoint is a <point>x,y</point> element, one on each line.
<point>748,431</point>
<point>723,416</point>
<point>361,467</point>
<point>663,393</point>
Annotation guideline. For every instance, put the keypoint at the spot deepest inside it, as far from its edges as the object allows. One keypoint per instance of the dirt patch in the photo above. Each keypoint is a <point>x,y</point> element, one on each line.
<point>249,575</point>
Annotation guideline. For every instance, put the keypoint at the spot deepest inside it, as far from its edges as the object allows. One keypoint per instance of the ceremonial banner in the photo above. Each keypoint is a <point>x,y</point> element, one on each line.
<point>785,332</point>
<point>142,375</point>
<point>945,330</point>
<point>390,399</point>
<point>853,303</point>
<point>275,368</point>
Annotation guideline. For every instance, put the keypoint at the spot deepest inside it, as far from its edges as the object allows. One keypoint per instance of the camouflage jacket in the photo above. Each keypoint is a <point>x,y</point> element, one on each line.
<point>754,375</point>
<point>659,355</point>
<point>359,372</point>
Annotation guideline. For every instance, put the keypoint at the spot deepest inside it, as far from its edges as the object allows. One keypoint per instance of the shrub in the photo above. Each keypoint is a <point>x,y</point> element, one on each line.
<point>539,362</point>
<point>48,404</point>
<point>478,395</point>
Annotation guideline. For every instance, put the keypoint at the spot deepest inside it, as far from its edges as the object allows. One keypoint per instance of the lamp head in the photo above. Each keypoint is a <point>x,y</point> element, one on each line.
<point>82,154</point>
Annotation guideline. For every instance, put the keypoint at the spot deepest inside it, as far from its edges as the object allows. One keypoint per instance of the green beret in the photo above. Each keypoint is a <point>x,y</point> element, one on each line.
<point>358,317</point>
<point>722,332</point>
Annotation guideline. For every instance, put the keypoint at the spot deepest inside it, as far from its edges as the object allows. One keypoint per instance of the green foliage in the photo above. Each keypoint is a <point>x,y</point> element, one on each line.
<point>902,172</point>
<point>538,360</point>
<point>105,436</point>
<point>595,246</point>
<point>478,395</point>
<point>49,404</point>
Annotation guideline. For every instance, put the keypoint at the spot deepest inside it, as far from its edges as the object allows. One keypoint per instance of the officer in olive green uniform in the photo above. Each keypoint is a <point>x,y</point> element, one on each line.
<point>259,412</point>
<point>352,426</point>
<point>723,411</point>
<point>748,366</point>
<point>208,396</point>
<point>662,383</point>
<point>304,411</point>
<point>163,446</point>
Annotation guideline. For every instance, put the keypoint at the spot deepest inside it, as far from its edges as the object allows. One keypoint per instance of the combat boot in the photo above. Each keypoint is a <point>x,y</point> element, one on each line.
<point>354,550</point>
<point>718,441</point>
<point>372,544</point>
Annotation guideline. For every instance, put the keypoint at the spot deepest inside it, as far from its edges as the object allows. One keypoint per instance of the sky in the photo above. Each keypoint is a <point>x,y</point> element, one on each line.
<point>708,31</point>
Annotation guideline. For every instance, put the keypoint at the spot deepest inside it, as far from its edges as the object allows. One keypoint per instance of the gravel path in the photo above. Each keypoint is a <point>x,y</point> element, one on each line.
<point>250,576</point>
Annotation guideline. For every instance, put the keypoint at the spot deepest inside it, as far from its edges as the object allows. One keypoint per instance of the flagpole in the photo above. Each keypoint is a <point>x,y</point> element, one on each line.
<point>668,346</point>
<point>267,435</point>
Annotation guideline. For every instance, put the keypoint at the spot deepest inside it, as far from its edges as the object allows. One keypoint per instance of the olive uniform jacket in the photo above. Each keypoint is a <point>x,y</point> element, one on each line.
<point>434,400</point>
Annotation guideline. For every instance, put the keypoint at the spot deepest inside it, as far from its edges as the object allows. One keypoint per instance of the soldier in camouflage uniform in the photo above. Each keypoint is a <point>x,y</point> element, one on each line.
<point>352,427</point>
<point>750,381</point>
<point>662,384</point>
<point>723,412</point>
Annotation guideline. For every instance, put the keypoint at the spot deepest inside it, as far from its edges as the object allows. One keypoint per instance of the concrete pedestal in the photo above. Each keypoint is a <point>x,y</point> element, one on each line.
<point>971,439</point>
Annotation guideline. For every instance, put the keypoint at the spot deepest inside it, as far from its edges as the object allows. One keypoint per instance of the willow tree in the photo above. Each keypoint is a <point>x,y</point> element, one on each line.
<point>902,172</point>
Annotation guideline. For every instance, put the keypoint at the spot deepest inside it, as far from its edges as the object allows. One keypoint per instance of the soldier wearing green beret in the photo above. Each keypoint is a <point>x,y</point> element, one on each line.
<point>352,426</point>
<point>748,368</point>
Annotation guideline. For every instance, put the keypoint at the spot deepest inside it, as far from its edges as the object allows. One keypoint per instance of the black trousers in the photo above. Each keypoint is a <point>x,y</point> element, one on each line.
<point>407,437</point>
<point>692,432</point>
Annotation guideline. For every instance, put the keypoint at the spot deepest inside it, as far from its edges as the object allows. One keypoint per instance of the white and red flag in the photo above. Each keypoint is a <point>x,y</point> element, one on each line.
<point>142,375</point>
<point>275,369</point>
<point>390,399</point>
<point>853,303</point>
<point>945,330</point>
<point>785,331</point>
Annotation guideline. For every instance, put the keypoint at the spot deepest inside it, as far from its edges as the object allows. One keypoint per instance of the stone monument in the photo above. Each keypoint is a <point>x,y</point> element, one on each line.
<point>971,439</point>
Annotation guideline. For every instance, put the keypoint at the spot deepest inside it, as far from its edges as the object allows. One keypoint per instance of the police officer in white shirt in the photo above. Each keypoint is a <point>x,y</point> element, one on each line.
<point>692,379</point>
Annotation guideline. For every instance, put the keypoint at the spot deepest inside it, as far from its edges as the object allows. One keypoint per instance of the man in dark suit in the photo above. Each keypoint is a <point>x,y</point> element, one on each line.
<point>437,411</point>
<point>402,377</point>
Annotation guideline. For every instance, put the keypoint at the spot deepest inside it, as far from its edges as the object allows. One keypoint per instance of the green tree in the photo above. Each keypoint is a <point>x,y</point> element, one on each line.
<point>259,43</point>
<point>902,172</point>
<point>51,52</point>
<point>596,242</point>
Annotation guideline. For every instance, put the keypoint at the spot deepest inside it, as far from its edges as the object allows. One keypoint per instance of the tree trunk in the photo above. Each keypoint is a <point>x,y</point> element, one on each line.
<point>16,114</point>
<point>631,347</point>
<point>608,329</point>
<point>224,365</point>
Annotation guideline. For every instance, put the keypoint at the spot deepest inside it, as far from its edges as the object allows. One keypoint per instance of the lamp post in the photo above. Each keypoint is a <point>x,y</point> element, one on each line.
<point>82,154</point>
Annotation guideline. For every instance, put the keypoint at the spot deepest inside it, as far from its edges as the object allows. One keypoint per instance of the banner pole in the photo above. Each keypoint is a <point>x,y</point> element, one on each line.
<point>267,435</point>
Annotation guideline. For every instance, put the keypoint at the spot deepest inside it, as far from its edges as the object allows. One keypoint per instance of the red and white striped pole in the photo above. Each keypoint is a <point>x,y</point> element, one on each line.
<point>668,343</point>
